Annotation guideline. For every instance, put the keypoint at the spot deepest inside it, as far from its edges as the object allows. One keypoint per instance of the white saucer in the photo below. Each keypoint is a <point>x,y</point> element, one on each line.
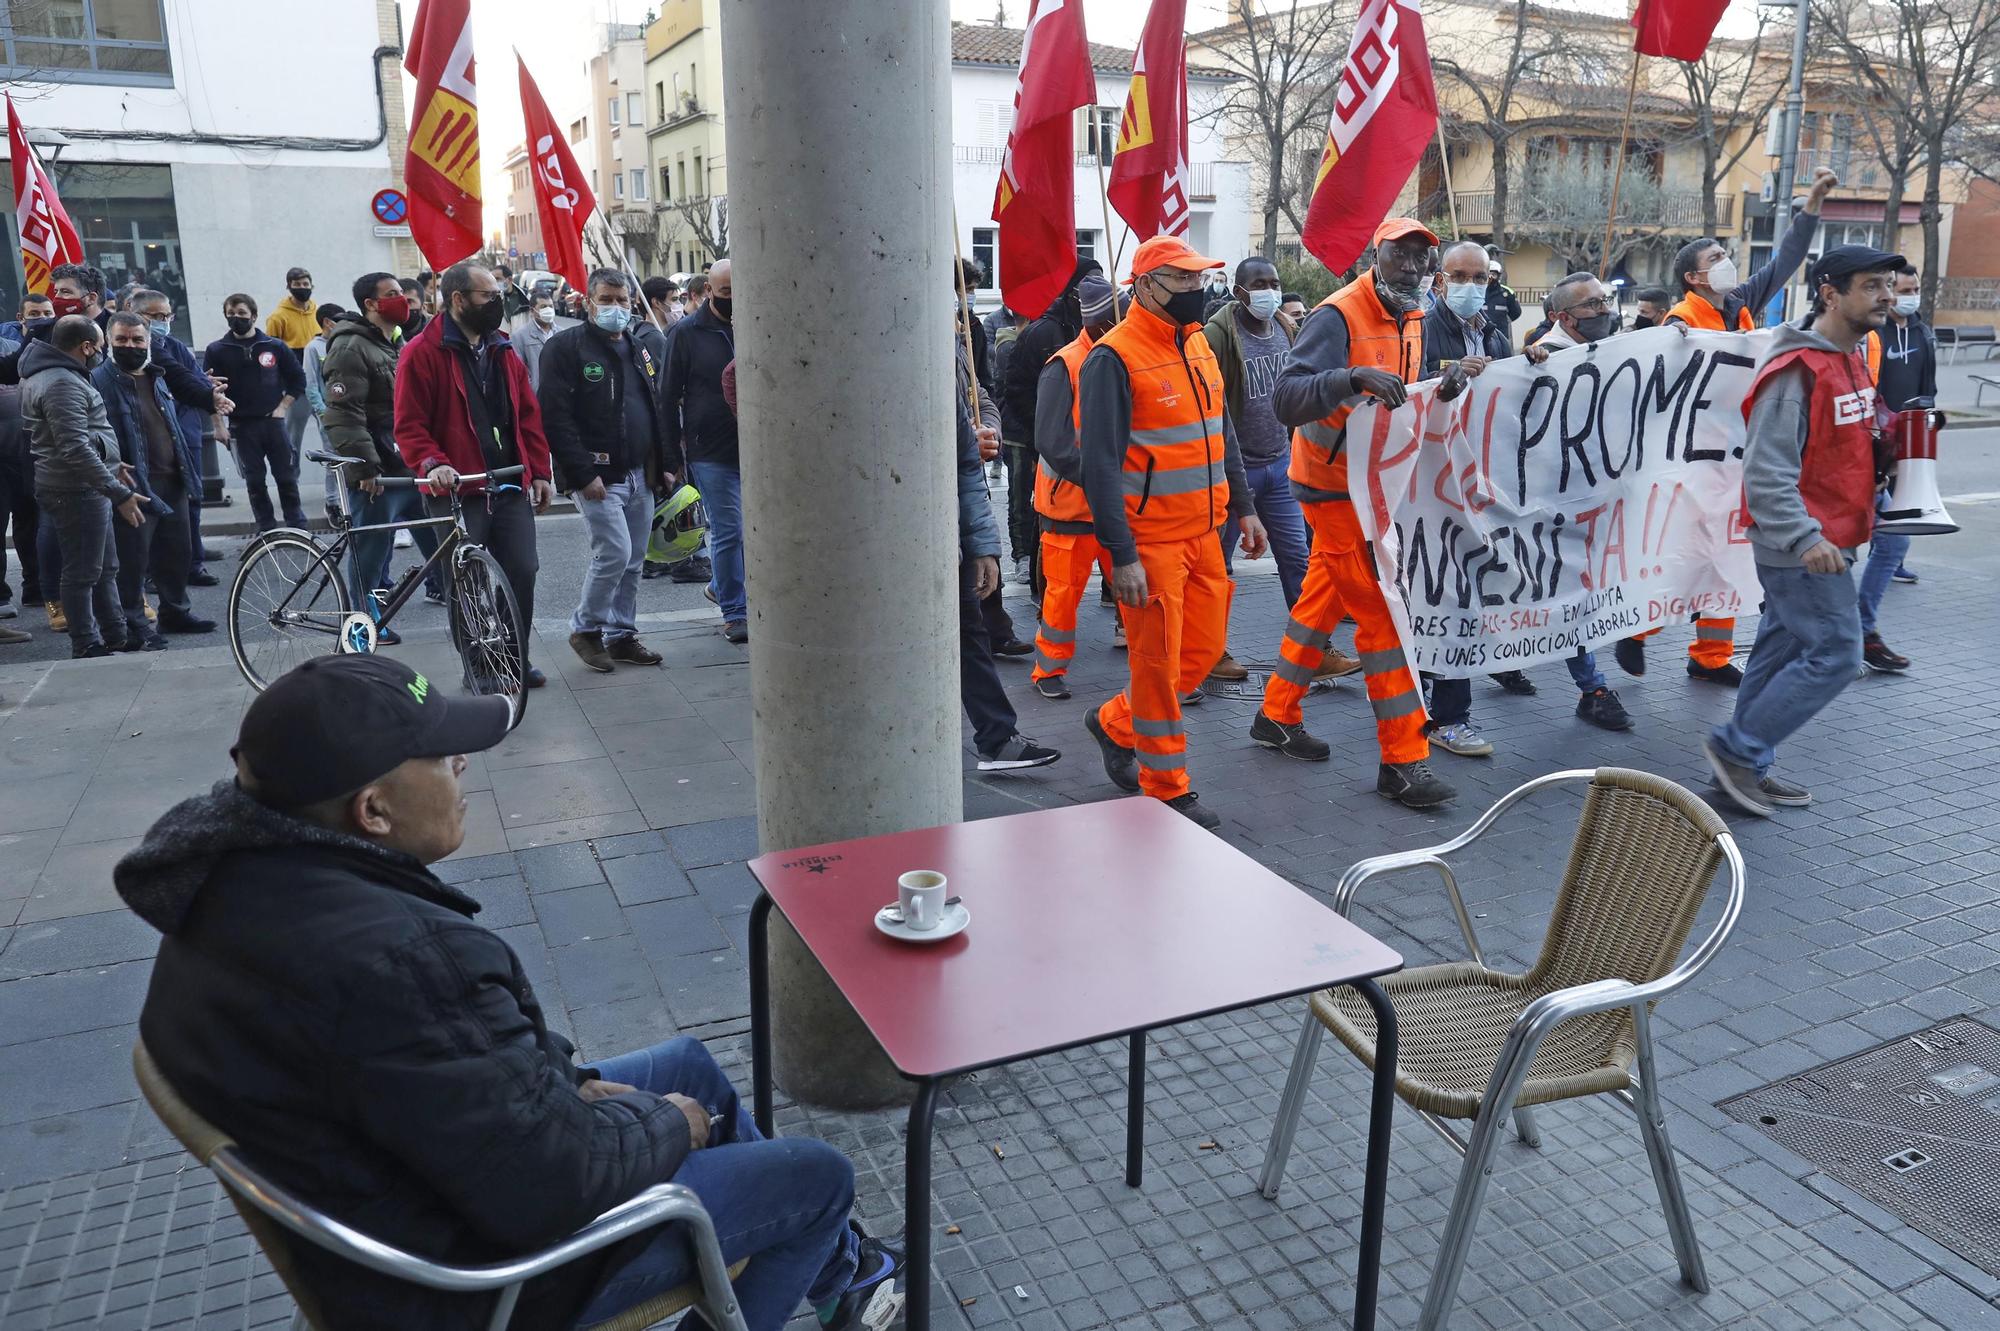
<point>889,921</point>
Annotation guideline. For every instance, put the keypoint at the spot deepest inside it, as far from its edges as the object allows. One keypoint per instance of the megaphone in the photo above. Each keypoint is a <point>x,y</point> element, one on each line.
<point>1915,507</point>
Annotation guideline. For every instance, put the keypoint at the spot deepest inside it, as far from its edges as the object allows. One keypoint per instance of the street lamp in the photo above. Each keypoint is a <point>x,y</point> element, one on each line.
<point>1788,127</point>
<point>48,143</point>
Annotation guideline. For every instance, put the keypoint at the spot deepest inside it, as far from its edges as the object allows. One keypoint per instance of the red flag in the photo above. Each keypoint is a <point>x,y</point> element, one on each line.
<point>1677,29</point>
<point>47,237</point>
<point>1035,203</point>
<point>441,167</point>
<point>561,197</point>
<point>1149,176</point>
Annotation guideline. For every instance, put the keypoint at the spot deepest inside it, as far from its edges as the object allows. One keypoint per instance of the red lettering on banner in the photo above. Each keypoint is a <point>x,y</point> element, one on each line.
<point>1614,544</point>
<point>1472,484</point>
<point>1378,499</point>
<point>1445,474</point>
<point>1588,521</point>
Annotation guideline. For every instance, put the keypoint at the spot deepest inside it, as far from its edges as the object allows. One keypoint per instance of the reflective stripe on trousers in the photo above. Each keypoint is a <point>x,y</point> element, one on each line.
<point>1066,561</point>
<point>1714,642</point>
<point>1340,581</point>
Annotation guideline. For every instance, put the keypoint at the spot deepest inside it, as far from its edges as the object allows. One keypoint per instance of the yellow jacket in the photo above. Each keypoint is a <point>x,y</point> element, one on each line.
<point>294,326</point>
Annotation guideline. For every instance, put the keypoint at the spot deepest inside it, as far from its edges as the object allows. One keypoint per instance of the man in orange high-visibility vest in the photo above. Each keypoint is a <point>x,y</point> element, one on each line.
<point>1161,472</point>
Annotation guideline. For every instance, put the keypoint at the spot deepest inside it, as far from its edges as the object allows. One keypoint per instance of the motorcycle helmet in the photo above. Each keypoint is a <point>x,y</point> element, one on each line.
<point>679,523</point>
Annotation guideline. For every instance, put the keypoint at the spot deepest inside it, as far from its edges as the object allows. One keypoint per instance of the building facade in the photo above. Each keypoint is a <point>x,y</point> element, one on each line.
<point>689,225</point>
<point>521,240</point>
<point>619,167</point>
<point>195,160</point>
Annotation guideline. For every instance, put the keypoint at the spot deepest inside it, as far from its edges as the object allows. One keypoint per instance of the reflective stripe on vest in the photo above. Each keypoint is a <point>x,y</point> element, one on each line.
<point>1375,340</point>
<point>1175,484</point>
<point>1056,499</point>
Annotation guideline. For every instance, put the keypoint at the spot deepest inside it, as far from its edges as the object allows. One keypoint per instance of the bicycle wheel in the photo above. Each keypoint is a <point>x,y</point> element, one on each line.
<point>486,628</point>
<point>287,604</point>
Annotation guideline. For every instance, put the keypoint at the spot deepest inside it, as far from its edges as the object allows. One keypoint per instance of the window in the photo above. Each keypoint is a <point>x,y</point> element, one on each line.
<point>1100,131</point>
<point>85,41</point>
<point>577,130</point>
<point>996,122</point>
<point>681,174</point>
<point>666,182</point>
<point>660,98</point>
<point>985,253</point>
<point>700,181</point>
<point>617,184</point>
<point>1086,244</point>
<point>635,108</point>
<point>614,111</point>
<point>639,183</point>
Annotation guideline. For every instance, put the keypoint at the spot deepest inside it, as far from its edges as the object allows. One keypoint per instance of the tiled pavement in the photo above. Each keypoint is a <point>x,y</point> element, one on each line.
<point>607,844</point>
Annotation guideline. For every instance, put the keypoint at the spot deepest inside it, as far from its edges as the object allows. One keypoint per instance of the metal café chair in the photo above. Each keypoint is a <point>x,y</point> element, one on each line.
<point>269,1211</point>
<point>1486,1045</point>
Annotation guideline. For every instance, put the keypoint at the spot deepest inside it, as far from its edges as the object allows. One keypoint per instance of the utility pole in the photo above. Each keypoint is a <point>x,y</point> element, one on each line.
<point>1788,143</point>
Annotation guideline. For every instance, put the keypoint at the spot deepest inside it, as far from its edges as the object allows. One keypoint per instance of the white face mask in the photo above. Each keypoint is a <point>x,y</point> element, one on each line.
<point>1722,276</point>
<point>545,314</point>
<point>1906,306</point>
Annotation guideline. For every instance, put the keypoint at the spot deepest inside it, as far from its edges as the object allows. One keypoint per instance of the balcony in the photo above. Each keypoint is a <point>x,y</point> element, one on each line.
<point>1668,210</point>
<point>690,108</point>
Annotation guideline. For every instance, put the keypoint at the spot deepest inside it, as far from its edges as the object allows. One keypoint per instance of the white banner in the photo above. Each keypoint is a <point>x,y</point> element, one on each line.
<point>1563,505</point>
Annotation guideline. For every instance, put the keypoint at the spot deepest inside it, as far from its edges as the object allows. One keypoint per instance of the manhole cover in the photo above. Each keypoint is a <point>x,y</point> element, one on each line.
<point>1253,687</point>
<point>1913,1125</point>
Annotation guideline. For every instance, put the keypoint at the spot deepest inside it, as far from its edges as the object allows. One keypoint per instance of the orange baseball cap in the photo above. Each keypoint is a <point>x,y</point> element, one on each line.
<point>1169,252</point>
<point>1398,227</point>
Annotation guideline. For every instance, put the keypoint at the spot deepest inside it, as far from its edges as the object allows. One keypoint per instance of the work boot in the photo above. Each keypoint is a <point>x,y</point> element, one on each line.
<point>1189,806</point>
<point>1462,738</point>
<point>1631,656</point>
<point>632,652</point>
<point>736,631</point>
<point>201,577</point>
<point>1602,709</point>
<point>1015,752</point>
<point>1876,656</point>
<point>1780,791</point>
<point>181,621</point>
<point>1412,785</point>
<point>1738,782</point>
<point>1013,647</point>
<point>1515,682</point>
<point>1725,674</point>
<point>1334,663</point>
<point>58,621</point>
<point>88,652</point>
<point>1292,741</point>
<point>1052,687</point>
<point>1119,763</point>
<point>1227,668</point>
<point>589,649</point>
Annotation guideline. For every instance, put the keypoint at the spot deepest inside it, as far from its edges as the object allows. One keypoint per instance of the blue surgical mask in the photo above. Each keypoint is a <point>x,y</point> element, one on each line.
<point>1465,298</point>
<point>610,318</point>
<point>1264,304</point>
<point>1428,299</point>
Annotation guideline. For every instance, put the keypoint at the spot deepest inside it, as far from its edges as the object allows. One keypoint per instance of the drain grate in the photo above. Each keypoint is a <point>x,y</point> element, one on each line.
<point>1913,1125</point>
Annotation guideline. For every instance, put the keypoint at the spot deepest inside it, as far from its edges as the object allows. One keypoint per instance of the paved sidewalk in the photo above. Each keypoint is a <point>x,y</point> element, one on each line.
<point>607,842</point>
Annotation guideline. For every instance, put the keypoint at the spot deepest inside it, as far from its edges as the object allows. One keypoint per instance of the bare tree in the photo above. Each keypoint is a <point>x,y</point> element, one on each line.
<point>1287,69</point>
<point>1564,203</point>
<point>1730,86</point>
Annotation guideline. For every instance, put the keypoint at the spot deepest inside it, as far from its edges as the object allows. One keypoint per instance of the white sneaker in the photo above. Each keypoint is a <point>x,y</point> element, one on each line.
<point>1022,574</point>
<point>403,538</point>
<point>8,610</point>
<point>1463,739</point>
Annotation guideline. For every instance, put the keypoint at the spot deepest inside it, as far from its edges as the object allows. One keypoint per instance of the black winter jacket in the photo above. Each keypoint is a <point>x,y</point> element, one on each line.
<point>585,376</point>
<point>700,426</point>
<point>331,1006</point>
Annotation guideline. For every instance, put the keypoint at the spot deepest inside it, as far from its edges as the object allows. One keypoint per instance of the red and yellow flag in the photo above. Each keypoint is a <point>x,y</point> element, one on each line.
<point>1035,203</point>
<point>441,167</point>
<point>1384,115</point>
<point>1149,176</point>
<point>48,240</point>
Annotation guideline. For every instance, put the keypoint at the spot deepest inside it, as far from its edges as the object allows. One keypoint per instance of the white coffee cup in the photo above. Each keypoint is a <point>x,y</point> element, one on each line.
<point>920,892</point>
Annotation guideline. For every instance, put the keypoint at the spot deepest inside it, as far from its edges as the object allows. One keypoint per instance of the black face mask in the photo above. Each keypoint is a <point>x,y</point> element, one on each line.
<point>483,319</point>
<point>1642,321</point>
<point>1597,327</point>
<point>240,325</point>
<point>1181,308</point>
<point>131,358</point>
<point>302,294</point>
<point>723,306</point>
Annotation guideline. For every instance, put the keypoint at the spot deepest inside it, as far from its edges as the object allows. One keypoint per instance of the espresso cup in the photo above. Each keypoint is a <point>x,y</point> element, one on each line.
<point>920,893</point>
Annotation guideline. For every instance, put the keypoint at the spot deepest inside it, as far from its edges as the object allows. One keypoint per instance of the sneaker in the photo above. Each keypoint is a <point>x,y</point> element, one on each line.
<point>180,621</point>
<point>1876,656</point>
<point>1194,697</point>
<point>88,653</point>
<point>1292,741</point>
<point>1118,633</point>
<point>536,679</point>
<point>435,598</point>
<point>149,641</point>
<point>1412,785</point>
<point>1336,663</point>
<point>1462,738</point>
<point>1904,576</point>
<point>201,577</point>
<point>1013,647</point>
<point>404,540</point>
<point>871,1301</point>
<point>387,637</point>
<point>1738,782</point>
<point>632,652</point>
<point>15,635</point>
<point>1515,682</point>
<point>589,649</point>
<point>1630,653</point>
<point>1780,791</point>
<point>131,642</point>
<point>737,631</point>
<point>1016,752</point>
<point>650,570</point>
<point>1227,668</point>
<point>1052,687</point>
<point>709,592</point>
<point>58,621</point>
<point>1189,806</point>
<point>1022,572</point>
<point>1725,674</point>
<point>8,610</point>
<point>1602,709</point>
<point>692,569</point>
<point>1119,763</point>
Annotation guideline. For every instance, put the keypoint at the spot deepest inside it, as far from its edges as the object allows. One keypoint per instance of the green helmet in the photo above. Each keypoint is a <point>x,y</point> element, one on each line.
<point>678,526</point>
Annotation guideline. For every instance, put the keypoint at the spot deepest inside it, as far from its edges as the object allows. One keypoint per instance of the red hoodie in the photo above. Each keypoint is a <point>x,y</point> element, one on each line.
<point>434,422</point>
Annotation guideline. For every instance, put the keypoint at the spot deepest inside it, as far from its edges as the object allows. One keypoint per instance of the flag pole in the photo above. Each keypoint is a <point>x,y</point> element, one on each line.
<point>1104,195</point>
<point>1618,172</point>
<point>963,319</point>
<point>1450,194</point>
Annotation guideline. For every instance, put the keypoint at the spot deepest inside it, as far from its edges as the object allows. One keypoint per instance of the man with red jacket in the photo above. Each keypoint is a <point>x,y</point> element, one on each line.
<point>464,405</point>
<point>1809,492</point>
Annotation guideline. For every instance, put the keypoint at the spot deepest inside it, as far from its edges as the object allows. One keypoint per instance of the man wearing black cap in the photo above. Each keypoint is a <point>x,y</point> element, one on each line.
<point>1813,393</point>
<point>325,1000</point>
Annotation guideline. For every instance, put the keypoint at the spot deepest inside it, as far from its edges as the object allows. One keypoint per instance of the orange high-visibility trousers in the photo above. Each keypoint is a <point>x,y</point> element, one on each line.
<point>1066,561</point>
<point>1172,642</point>
<point>1340,581</point>
<point>1714,642</point>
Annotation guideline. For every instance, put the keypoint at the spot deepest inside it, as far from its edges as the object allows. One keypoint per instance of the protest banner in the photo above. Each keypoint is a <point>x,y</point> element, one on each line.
<point>1563,505</point>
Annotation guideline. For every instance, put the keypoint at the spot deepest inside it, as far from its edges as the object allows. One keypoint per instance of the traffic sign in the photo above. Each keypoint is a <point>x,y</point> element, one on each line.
<point>390,207</point>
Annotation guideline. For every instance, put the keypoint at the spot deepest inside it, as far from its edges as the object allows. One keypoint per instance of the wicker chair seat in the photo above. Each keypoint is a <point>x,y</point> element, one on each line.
<point>1453,1020</point>
<point>660,1308</point>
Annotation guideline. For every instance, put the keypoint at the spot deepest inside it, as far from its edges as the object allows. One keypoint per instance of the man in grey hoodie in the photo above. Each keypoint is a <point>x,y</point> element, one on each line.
<point>1809,474</point>
<point>79,480</point>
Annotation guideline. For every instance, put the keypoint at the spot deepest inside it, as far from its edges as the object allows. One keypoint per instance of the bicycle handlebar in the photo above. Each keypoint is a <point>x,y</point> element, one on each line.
<point>496,474</point>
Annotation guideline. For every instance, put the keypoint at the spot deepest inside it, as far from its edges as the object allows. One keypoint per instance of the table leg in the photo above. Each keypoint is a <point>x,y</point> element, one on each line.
<point>760,1012</point>
<point>917,1209</point>
<point>1375,1187</point>
<point>1135,1111</point>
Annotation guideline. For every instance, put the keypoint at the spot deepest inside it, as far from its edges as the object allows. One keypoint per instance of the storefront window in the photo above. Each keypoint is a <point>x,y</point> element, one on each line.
<point>124,215</point>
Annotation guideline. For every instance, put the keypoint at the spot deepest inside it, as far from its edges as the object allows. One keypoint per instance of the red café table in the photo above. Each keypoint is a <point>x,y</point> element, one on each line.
<point>1089,923</point>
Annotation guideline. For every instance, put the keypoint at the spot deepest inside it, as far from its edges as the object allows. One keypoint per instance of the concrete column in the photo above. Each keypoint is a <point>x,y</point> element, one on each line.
<point>839,133</point>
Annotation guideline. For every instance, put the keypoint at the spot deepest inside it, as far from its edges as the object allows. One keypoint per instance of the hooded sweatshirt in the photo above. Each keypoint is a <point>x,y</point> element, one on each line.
<point>331,1006</point>
<point>1781,530</point>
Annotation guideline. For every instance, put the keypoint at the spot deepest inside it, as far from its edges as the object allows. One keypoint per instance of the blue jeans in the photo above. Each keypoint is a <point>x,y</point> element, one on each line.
<point>1451,699</point>
<point>1808,649</point>
<point>619,525</point>
<point>1886,551</point>
<point>721,486</point>
<point>1278,509</point>
<point>369,552</point>
<point>784,1203</point>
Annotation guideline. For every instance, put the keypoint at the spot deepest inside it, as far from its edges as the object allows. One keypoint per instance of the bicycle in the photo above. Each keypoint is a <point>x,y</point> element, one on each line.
<point>289,601</point>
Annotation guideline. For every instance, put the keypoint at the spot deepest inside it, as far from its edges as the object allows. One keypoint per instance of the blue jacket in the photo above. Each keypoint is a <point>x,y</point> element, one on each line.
<point>168,349</point>
<point>977,533</point>
<point>120,392</point>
